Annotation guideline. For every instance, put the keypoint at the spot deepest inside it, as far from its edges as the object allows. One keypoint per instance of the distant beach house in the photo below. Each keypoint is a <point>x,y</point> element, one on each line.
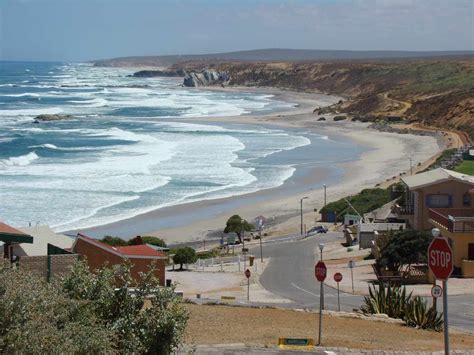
<point>42,236</point>
<point>142,257</point>
<point>11,237</point>
<point>443,199</point>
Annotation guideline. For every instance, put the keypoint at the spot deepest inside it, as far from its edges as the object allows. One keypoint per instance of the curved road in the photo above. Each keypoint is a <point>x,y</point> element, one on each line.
<point>290,274</point>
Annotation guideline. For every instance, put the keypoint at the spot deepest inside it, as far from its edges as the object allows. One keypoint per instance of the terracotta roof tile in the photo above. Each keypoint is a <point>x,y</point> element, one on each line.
<point>132,250</point>
<point>6,229</point>
<point>143,250</point>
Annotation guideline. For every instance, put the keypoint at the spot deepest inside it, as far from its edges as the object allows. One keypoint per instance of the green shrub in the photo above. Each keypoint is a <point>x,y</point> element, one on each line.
<point>86,312</point>
<point>114,241</point>
<point>365,201</point>
<point>394,302</point>
<point>208,254</point>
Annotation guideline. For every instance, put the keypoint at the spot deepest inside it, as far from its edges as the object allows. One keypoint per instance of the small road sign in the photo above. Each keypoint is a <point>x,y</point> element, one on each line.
<point>440,259</point>
<point>247,273</point>
<point>338,277</point>
<point>320,271</point>
<point>436,291</point>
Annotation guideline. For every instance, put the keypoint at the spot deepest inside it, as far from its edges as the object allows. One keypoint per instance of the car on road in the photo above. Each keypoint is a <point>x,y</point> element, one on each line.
<point>317,230</point>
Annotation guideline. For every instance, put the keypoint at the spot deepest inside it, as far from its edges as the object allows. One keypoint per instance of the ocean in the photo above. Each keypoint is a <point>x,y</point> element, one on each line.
<point>133,145</point>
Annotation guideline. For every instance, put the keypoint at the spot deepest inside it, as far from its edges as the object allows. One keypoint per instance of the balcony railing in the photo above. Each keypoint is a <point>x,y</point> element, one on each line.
<point>404,210</point>
<point>455,220</point>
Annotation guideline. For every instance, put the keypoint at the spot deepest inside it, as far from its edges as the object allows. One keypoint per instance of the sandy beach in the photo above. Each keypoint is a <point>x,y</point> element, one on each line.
<point>385,156</point>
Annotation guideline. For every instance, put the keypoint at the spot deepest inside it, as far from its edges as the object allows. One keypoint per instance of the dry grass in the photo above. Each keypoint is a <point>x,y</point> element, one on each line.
<point>262,327</point>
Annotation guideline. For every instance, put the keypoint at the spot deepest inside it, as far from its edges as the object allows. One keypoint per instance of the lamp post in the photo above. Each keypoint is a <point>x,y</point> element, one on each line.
<point>324,195</point>
<point>301,212</point>
<point>321,247</point>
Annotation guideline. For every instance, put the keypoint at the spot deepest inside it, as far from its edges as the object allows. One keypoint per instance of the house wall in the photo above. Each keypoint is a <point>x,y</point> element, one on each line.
<point>459,243</point>
<point>455,189</point>
<point>97,258</point>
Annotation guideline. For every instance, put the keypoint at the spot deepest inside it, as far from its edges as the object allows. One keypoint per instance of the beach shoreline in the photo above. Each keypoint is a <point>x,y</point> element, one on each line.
<point>385,156</point>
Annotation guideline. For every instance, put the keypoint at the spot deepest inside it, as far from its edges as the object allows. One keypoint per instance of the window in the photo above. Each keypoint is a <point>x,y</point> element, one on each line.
<point>438,201</point>
<point>466,200</point>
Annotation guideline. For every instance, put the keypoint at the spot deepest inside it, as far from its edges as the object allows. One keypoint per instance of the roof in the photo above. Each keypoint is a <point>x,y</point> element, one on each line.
<point>143,250</point>
<point>42,235</point>
<point>371,227</point>
<point>132,252</point>
<point>382,213</point>
<point>436,176</point>
<point>10,234</point>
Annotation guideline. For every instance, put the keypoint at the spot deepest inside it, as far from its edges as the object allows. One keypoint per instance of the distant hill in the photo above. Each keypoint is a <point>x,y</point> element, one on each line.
<point>274,55</point>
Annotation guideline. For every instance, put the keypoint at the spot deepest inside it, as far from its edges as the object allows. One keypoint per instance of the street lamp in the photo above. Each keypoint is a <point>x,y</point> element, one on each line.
<point>321,247</point>
<point>324,185</point>
<point>435,232</point>
<point>301,210</point>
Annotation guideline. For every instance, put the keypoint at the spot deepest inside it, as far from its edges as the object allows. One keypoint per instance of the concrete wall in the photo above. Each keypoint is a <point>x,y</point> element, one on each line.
<point>97,258</point>
<point>455,189</point>
<point>468,268</point>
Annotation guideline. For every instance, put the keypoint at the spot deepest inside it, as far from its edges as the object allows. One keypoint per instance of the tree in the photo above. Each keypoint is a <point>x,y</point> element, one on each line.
<point>405,248</point>
<point>86,312</point>
<point>184,255</point>
<point>136,241</point>
<point>113,241</point>
<point>237,225</point>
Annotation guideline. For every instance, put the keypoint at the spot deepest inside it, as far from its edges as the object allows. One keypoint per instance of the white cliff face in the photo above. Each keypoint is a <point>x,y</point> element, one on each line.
<point>206,78</point>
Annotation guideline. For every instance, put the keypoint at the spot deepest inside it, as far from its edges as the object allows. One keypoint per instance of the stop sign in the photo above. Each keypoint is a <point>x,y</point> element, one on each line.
<point>247,273</point>
<point>440,259</point>
<point>338,277</point>
<point>320,271</point>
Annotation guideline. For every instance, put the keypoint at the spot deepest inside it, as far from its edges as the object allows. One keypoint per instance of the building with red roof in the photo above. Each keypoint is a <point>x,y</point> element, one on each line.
<point>142,257</point>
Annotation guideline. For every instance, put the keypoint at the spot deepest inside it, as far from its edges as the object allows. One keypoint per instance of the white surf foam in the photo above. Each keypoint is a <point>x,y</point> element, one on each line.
<point>21,161</point>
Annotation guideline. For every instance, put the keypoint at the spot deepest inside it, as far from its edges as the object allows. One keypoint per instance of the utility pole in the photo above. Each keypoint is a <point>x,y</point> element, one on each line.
<point>324,195</point>
<point>411,166</point>
<point>301,212</point>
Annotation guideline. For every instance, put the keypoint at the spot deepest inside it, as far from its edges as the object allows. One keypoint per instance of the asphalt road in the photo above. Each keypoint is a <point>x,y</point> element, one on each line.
<point>290,274</point>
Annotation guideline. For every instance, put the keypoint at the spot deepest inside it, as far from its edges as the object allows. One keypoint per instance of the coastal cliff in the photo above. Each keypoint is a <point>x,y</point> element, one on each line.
<point>437,92</point>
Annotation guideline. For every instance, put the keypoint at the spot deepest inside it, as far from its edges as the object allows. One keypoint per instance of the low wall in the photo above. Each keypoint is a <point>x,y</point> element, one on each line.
<point>59,264</point>
<point>467,268</point>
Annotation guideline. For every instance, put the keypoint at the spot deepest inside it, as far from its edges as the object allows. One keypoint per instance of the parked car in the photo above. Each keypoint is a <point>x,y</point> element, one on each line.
<point>317,230</point>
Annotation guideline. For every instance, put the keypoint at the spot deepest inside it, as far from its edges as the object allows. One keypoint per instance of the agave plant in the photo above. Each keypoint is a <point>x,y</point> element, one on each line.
<point>394,302</point>
<point>390,300</point>
<point>419,315</point>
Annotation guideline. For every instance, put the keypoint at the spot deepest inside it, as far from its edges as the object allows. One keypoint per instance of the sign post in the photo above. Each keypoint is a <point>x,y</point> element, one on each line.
<point>320,271</point>
<point>351,266</point>
<point>440,262</point>
<point>338,278</point>
<point>247,275</point>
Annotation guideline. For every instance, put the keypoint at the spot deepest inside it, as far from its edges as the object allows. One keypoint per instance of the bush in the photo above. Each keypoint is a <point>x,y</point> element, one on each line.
<point>365,201</point>
<point>394,302</point>
<point>114,241</point>
<point>184,255</point>
<point>88,313</point>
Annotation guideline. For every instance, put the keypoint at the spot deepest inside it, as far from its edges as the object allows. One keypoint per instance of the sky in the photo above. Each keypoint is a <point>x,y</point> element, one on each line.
<point>79,30</point>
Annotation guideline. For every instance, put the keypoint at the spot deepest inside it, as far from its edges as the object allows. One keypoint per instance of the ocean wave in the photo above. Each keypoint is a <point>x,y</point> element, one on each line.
<point>31,94</point>
<point>22,160</point>
<point>32,111</point>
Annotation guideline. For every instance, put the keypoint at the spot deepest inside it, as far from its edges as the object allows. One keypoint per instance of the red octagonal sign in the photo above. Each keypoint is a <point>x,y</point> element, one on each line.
<point>320,271</point>
<point>440,258</point>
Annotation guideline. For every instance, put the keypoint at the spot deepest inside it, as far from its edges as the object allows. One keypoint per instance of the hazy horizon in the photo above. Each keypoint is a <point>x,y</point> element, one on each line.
<point>68,30</point>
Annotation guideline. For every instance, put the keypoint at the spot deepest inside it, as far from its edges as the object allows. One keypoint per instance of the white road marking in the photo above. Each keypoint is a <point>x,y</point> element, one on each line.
<point>302,289</point>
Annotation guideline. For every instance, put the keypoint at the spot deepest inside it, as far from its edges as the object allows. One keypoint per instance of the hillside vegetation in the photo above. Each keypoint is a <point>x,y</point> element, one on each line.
<point>438,92</point>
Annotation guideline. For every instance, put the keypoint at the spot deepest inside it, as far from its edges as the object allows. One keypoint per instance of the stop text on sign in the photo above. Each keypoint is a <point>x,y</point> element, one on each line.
<point>440,258</point>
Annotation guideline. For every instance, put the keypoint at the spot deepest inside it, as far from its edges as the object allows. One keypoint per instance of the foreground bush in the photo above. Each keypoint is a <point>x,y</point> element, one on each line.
<point>394,302</point>
<point>88,313</point>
